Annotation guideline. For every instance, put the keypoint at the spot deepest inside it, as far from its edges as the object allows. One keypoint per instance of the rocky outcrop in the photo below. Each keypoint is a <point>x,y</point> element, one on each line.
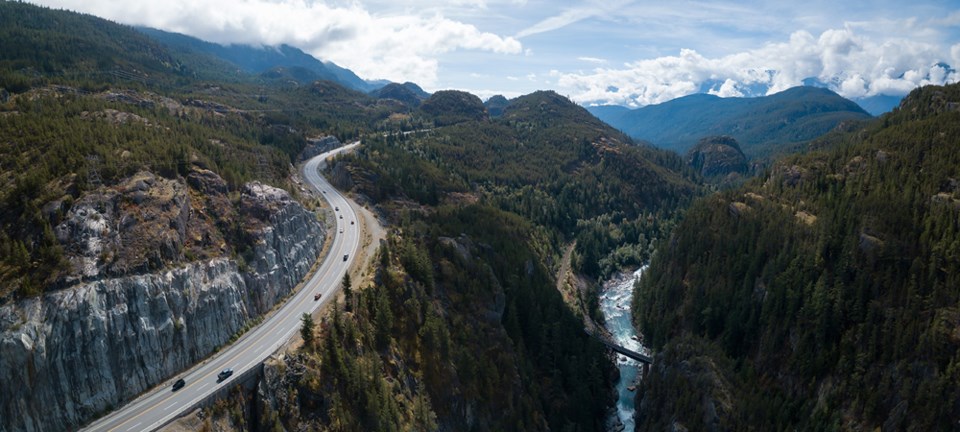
<point>73,354</point>
<point>319,145</point>
<point>717,156</point>
<point>144,224</point>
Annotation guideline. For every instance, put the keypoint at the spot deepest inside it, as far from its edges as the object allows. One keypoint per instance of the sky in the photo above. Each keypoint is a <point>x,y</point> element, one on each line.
<point>623,52</point>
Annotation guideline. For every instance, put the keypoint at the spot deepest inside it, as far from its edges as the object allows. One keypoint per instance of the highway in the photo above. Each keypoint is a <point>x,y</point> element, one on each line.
<point>160,405</point>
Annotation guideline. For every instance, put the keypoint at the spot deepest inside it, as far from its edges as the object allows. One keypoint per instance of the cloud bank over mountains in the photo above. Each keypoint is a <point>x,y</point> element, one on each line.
<point>624,52</point>
<point>853,65</point>
<point>398,47</point>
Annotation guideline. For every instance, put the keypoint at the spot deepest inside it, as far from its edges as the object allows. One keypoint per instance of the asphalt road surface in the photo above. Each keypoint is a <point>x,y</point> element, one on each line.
<point>161,405</point>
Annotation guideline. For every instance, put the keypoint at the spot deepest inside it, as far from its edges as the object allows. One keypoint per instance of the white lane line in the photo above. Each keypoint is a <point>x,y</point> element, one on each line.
<point>204,385</point>
<point>171,406</point>
<point>134,427</point>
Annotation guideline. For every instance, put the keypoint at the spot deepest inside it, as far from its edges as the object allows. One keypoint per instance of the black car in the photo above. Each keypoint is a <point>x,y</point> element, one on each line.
<point>224,374</point>
<point>179,384</point>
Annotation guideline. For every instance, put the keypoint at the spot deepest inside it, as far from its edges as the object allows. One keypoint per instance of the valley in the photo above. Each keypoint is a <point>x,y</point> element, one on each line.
<point>188,244</point>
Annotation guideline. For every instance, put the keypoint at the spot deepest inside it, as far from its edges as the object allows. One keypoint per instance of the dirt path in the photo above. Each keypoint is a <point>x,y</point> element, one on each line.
<point>371,233</point>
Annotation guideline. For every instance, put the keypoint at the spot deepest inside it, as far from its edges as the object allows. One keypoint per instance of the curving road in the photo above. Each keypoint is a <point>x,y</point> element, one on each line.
<point>159,406</point>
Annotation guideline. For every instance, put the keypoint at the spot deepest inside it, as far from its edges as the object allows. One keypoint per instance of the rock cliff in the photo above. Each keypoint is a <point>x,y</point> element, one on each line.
<point>717,156</point>
<point>75,353</point>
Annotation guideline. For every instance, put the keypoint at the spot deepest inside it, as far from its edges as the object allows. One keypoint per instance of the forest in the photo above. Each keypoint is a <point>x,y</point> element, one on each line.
<point>481,209</point>
<point>822,295</point>
<point>86,103</point>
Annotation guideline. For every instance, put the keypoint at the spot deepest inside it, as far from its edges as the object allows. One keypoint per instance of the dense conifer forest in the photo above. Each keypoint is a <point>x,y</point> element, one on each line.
<point>822,295</point>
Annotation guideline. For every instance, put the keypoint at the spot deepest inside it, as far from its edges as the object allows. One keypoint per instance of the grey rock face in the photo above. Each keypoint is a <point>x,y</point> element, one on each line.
<point>717,156</point>
<point>319,145</point>
<point>71,355</point>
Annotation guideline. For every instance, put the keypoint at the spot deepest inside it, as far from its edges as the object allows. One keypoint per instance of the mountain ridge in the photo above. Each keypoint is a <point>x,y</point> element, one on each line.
<point>762,125</point>
<point>256,60</point>
<point>820,296</point>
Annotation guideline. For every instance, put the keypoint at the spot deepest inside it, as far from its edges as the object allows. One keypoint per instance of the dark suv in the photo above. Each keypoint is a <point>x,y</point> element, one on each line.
<point>224,374</point>
<point>179,384</point>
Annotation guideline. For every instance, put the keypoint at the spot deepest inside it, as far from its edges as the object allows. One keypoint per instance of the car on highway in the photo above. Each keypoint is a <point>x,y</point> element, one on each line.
<point>351,222</point>
<point>224,374</point>
<point>336,209</point>
<point>345,257</point>
<point>317,297</point>
<point>179,384</point>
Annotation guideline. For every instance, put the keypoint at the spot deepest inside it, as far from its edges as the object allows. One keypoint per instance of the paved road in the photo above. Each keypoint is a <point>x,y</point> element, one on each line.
<point>161,405</point>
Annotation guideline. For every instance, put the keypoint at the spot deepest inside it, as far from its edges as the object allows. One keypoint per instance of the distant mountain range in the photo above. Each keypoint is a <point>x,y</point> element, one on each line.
<point>267,59</point>
<point>761,125</point>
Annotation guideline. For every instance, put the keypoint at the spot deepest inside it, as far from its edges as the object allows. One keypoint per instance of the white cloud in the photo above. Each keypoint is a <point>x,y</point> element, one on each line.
<point>555,22</point>
<point>591,9</point>
<point>592,60</point>
<point>400,47</point>
<point>849,63</point>
<point>728,89</point>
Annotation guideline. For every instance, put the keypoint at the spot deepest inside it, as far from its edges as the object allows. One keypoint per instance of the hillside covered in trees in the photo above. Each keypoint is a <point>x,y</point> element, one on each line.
<point>463,327</point>
<point>821,296</point>
<point>464,310</point>
<point>764,126</point>
<point>85,104</point>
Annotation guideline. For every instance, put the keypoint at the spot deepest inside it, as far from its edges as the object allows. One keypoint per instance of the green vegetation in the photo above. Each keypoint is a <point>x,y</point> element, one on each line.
<point>306,329</point>
<point>544,159</point>
<point>449,107</point>
<point>86,103</point>
<point>464,308</point>
<point>764,126</point>
<point>463,319</point>
<point>823,296</point>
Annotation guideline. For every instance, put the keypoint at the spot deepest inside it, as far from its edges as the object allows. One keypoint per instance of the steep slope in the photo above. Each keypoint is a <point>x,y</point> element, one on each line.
<point>138,232</point>
<point>74,353</point>
<point>42,44</point>
<point>761,125</point>
<point>258,59</point>
<point>462,327</point>
<point>717,156</point>
<point>822,296</point>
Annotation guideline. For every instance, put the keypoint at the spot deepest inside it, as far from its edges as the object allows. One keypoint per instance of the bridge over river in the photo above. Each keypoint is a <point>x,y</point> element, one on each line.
<point>643,358</point>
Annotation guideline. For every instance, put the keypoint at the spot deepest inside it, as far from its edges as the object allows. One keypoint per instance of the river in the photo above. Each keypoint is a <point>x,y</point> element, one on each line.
<point>615,298</point>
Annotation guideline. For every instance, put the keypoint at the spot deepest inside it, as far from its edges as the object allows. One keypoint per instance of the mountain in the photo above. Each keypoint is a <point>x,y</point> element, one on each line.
<point>259,59</point>
<point>109,102</point>
<point>83,49</point>
<point>447,107</point>
<point>157,178</point>
<point>408,93</point>
<point>761,125</point>
<point>880,104</point>
<point>717,156</point>
<point>461,326</point>
<point>153,228</point>
<point>495,105</point>
<point>823,295</point>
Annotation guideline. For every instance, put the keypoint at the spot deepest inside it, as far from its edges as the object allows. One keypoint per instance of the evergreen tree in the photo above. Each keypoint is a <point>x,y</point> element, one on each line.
<point>306,329</point>
<point>347,291</point>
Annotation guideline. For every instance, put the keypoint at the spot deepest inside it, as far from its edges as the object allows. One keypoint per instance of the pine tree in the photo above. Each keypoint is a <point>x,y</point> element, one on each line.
<point>347,291</point>
<point>306,330</point>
